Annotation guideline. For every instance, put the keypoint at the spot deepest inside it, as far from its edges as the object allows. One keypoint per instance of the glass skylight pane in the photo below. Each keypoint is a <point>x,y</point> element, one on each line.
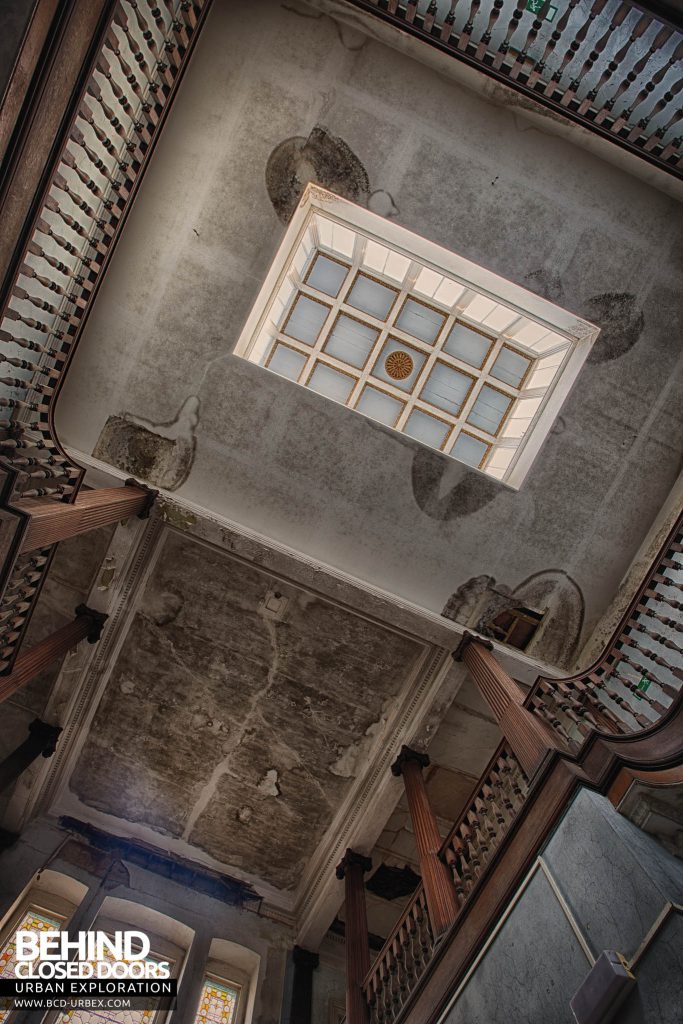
<point>327,275</point>
<point>351,341</point>
<point>420,321</point>
<point>469,450</point>
<point>305,320</point>
<point>331,383</point>
<point>371,297</point>
<point>489,410</point>
<point>380,406</point>
<point>398,364</point>
<point>468,345</point>
<point>426,428</point>
<point>510,367</point>
<point>287,362</point>
<point>446,388</point>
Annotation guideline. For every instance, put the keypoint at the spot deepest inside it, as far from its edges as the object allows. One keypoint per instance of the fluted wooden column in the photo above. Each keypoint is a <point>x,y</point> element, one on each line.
<point>41,740</point>
<point>442,901</point>
<point>351,869</point>
<point>529,737</point>
<point>51,521</point>
<point>86,626</point>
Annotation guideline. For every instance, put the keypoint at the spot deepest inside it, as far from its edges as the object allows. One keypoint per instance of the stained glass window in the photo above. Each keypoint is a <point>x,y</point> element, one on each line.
<point>88,1016</point>
<point>32,921</point>
<point>218,1004</point>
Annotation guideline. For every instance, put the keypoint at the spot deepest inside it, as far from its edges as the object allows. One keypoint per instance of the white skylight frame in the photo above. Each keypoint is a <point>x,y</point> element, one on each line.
<point>555,342</point>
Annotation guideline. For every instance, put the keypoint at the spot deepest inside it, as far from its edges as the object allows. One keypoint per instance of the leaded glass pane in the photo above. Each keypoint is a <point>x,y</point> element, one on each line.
<point>447,388</point>
<point>510,367</point>
<point>420,321</point>
<point>380,406</point>
<point>331,383</point>
<point>371,297</point>
<point>306,320</point>
<point>102,1016</point>
<point>32,921</point>
<point>327,275</point>
<point>468,345</point>
<point>218,1004</point>
<point>469,450</point>
<point>351,341</point>
<point>287,362</point>
<point>426,428</point>
<point>488,412</point>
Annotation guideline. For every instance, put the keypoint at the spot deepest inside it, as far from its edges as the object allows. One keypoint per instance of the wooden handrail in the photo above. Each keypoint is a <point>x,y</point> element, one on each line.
<point>110,131</point>
<point>585,69</point>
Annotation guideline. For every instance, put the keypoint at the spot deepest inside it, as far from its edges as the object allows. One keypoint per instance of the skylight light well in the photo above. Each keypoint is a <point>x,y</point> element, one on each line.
<point>399,329</point>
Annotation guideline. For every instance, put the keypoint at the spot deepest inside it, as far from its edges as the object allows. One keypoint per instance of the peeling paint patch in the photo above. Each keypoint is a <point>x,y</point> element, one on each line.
<point>160,453</point>
<point>479,600</point>
<point>268,784</point>
<point>321,158</point>
<point>175,516</point>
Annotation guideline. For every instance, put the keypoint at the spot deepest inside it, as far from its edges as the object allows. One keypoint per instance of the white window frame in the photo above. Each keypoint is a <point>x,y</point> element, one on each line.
<point>422,253</point>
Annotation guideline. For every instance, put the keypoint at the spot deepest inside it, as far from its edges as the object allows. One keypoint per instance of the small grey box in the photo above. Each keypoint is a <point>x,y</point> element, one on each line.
<point>606,986</point>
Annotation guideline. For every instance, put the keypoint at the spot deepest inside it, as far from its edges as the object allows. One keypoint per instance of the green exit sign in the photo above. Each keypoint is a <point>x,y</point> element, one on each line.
<point>536,6</point>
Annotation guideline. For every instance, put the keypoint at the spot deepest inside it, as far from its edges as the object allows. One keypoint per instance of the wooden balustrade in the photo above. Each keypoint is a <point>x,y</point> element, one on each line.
<point>639,676</point>
<point>105,146</point>
<point>400,963</point>
<point>615,71</point>
<point>563,733</point>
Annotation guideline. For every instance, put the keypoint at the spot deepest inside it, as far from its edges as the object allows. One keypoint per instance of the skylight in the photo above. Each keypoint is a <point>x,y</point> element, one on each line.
<point>375,317</point>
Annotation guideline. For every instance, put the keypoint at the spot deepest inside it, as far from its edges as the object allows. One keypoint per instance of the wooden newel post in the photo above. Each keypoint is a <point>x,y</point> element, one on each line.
<point>86,626</point>
<point>50,521</point>
<point>351,869</point>
<point>529,737</point>
<point>442,901</point>
<point>41,740</point>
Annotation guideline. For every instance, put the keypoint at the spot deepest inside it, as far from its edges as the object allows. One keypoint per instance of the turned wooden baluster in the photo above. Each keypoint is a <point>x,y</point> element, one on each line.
<point>466,33</point>
<point>639,28</point>
<point>352,868</point>
<point>617,19</point>
<point>535,28</point>
<point>624,118</point>
<point>555,37</point>
<point>494,14</point>
<point>438,884</point>
<point>513,25</point>
<point>448,23</point>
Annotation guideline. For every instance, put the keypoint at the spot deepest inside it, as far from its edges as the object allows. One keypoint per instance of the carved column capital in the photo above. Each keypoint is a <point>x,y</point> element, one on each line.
<point>409,756</point>
<point>97,621</point>
<point>304,959</point>
<point>44,737</point>
<point>467,639</point>
<point>152,495</point>
<point>352,859</point>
